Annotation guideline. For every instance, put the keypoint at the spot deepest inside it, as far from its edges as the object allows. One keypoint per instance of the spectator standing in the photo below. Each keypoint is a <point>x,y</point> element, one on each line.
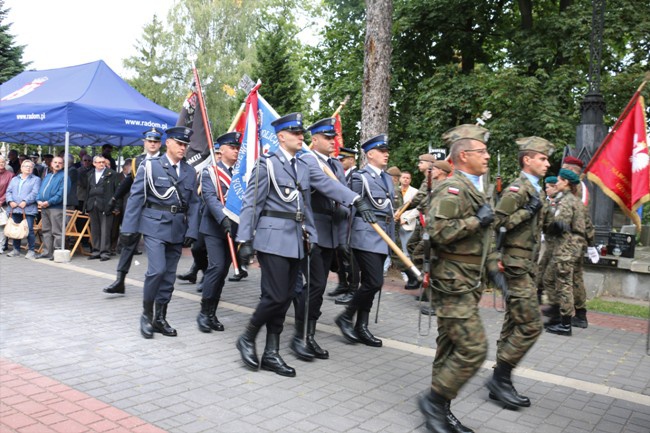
<point>13,162</point>
<point>107,149</point>
<point>72,200</point>
<point>5,178</point>
<point>21,196</point>
<point>50,200</point>
<point>82,184</point>
<point>407,219</point>
<point>79,163</point>
<point>102,183</point>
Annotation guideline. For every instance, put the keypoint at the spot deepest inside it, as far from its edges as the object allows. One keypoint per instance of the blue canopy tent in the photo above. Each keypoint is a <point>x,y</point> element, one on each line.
<point>83,105</point>
<point>90,102</point>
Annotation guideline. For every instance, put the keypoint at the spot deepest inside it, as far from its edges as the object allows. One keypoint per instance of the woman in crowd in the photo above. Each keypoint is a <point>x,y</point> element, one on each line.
<point>21,196</point>
<point>5,178</point>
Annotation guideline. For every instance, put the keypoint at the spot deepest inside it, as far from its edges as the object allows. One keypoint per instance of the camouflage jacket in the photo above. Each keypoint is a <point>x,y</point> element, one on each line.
<point>522,238</point>
<point>571,212</point>
<point>422,200</point>
<point>459,241</point>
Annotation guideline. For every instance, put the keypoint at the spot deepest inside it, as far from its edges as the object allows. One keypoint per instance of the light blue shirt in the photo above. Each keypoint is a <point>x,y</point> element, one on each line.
<point>476,180</point>
<point>534,180</point>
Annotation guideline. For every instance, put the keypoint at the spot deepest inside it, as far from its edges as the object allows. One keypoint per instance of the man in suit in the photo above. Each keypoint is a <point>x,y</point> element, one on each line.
<point>215,228</point>
<point>369,249</point>
<point>276,220</point>
<point>164,207</point>
<point>152,142</point>
<point>330,199</point>
<point>102,183</point>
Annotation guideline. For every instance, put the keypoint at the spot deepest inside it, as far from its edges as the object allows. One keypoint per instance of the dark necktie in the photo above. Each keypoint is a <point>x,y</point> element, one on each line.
<point>175,167</point>
<point>330,162</point>
<point>383,179</point>
<point>230,171</point>
<point>293,167</point>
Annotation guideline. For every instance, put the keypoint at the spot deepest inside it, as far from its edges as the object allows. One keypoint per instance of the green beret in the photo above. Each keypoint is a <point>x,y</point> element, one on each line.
<point>551,179</point>
<point>536,144</point>
<point>459,132</point>
<point>573,178</point>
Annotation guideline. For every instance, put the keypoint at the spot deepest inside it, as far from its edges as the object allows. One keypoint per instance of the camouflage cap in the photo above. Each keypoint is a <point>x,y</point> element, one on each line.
<point>443,165</point>
<point>394,171</point>
<point>536,144</point>
<point>427,157</point>
<point>459,132</point>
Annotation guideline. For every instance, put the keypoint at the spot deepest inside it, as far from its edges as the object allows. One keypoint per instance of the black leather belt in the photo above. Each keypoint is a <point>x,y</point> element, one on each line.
<point>172,209</point>
<point>380,217</point>
<point>296,216</point>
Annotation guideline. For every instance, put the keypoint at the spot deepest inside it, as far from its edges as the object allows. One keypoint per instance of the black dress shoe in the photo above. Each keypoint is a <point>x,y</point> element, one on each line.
<point>339,290</point>
<point>104,258</point>
<point>238,277</point>
<point>344,299</point>
<point>44,256</point>
<point>97,257</point>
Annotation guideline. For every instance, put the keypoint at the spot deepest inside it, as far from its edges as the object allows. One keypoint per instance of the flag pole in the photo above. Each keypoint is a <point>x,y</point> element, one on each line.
<point>618,123</point>
<point>343,103</point>
<point>237,117</point>
<point>208,136</point>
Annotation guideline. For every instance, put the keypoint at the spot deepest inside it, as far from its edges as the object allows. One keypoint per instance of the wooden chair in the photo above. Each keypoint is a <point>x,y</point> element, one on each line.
<point>72,232</point>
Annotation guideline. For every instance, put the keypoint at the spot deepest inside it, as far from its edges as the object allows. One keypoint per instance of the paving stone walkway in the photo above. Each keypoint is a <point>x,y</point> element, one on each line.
<point>72,360</point>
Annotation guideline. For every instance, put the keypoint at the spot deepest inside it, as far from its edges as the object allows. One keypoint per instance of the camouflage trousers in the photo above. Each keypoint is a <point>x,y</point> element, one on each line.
<point>462,348</point>
<point>579,291</point>
<point>522,324</point>
<point>415,246</point>
<point>560,278</point>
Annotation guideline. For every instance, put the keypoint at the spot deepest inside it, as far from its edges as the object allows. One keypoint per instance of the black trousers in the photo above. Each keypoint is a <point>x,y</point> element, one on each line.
<point>348,269</point>
<point>320,261</point>
<point>200,253</point>
<point>372,278</point>
<point>126,256</point>
<point>218,263</point>
<point>277,286</point>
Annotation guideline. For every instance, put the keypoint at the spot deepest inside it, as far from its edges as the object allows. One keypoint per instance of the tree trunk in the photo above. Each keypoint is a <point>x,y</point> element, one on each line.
<point>376,68</point>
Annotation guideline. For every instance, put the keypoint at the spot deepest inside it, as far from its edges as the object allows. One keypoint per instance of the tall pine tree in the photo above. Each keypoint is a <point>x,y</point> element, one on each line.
<point>11,55</point>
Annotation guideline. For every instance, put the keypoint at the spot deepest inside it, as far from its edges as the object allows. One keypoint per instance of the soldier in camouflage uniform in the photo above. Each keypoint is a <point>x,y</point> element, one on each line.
<point>518,212</point>
<point>459,225</point>
<point>546,250</point>
<point>579,291</point>
<point>569,226</point>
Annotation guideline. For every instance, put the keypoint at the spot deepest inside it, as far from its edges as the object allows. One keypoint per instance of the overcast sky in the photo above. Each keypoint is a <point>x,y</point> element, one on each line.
<point>60,33</point>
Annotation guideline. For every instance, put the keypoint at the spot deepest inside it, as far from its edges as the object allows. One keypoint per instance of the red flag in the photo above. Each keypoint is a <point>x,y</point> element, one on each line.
<point>338,140</point>
<point>620,166</point>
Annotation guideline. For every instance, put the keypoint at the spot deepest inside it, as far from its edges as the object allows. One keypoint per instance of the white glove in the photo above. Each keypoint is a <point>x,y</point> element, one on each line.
<point>593,254</point>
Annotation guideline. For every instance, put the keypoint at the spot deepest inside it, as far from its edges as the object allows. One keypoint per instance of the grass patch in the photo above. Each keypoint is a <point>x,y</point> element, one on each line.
<point>620,308</point>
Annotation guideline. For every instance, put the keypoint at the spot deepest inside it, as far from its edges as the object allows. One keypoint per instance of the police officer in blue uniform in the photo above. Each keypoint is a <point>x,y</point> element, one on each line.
<point>215,227</point>
<point>152,141</point>
<point>164,207</point>
<point>330,199</point>
<point>277,222</point>
<point>369,249</point>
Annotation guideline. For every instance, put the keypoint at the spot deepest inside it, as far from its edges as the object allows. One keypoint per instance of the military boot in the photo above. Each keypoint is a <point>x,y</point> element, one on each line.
<point>215,324</point>
<point>146,329</point>
<point>562,328</point>
<point>344,322</point>
<point>554,316</point>
<point>344,299</point>
<point>246,346</point>
<point>117,286</point>
<point>203,319</point>
<point>160,321</point>
<point>580,319</point>
<point>341,289</point>
<point>189,275</point>
<point>299,343</point>
<point>364,334</point>
<point>501,387</point>
<point>271,359</point>
<point>319,352</point>
<point>433,407</point>
<point>551,310</point>
<point>454,422</point>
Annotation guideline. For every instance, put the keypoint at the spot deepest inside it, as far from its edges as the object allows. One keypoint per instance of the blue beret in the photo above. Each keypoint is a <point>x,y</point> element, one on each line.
<point>377,142</point>
<point>181,134</point>
<point>230,139</point>
<point>324,126</point>
<point>291,122</point>
<point>152,135</point>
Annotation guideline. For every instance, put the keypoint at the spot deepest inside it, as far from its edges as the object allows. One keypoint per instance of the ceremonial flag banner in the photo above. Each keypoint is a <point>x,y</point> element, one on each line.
<point>198,153</point>
<point>338,140</point>
<point>258,138</point>
<point>620,165</point>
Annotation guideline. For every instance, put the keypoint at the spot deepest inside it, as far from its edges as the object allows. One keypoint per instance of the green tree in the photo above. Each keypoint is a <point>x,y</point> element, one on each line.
<point>11,55</point>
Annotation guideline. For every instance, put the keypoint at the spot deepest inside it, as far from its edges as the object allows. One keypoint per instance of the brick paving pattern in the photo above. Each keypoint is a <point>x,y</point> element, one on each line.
<point>72,357</point>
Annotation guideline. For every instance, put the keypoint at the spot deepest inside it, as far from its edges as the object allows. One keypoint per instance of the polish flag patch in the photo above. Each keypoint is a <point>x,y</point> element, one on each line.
<point>453,190</point>
<point>514,188</point>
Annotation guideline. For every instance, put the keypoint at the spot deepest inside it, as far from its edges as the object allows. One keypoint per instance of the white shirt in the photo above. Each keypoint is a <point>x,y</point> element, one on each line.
<point>98,175</point>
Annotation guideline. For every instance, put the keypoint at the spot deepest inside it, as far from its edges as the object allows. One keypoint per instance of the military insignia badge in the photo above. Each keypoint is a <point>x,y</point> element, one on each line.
<point>453,190</point>
<point>514,188</point>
